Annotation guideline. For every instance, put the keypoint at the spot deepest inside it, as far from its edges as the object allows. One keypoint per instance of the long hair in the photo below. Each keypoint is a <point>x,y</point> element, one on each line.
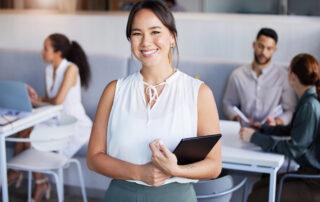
<point>73,52</point>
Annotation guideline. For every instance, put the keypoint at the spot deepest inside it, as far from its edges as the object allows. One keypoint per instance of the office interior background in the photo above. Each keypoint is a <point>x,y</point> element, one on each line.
<point>278,7</point>
<point>211,33</point>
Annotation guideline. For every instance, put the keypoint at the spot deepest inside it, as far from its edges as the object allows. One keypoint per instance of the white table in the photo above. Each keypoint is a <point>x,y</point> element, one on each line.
<point>37,116</point>
<point>238,155</point>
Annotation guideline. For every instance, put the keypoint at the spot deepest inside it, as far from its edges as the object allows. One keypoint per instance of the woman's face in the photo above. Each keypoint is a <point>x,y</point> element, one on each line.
<point>48,53</point>
<point>150,39</point>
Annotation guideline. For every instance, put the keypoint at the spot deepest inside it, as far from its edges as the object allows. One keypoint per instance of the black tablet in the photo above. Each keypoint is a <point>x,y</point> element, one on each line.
<point>194,149</point>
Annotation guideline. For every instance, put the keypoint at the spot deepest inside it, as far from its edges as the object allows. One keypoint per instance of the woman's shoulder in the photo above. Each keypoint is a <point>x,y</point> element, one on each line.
<point>110,89</point>
<point>314,104</point>
<point>72,68</point>
<point>199,88</point>
<point>189,79</point>
<point>115,85</point>
<point>128,79</point>
<point>310,106</point>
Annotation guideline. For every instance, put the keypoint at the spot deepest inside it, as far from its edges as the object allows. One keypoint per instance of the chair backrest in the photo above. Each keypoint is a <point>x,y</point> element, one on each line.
<point>218,190</point>
<point>54,135</point>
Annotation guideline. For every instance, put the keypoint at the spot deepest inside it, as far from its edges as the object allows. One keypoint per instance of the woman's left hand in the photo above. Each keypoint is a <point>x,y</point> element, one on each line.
<point>246,134</point>
<point>163,158</point>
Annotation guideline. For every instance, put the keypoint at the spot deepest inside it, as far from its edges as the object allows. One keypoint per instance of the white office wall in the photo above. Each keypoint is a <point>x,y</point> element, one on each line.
<point>230,36</point>
<point>96,33</point>
<point>221,36</point>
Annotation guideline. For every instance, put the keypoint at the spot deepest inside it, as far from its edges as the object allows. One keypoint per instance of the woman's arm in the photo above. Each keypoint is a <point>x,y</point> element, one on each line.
<point>99,161</point>
<point>69,80</point>
<point>278,130</point>
<point>208,124</point>
<point>303,129</point>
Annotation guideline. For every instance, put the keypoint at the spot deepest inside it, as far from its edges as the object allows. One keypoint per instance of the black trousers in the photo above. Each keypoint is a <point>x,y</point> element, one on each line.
<point>294,190</point>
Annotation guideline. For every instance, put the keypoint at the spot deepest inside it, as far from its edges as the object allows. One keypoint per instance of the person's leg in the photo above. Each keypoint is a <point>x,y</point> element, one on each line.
<point>25,134</point>
<point>178,192</point>
<point>120,190</point>
<point>42,187</point>
<point>13,175</point>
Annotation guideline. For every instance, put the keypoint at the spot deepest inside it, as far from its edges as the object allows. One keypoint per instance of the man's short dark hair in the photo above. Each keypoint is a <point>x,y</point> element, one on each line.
<point>269,33</point>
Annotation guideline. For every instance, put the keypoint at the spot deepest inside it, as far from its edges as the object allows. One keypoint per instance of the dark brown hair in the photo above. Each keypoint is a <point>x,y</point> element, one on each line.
<point>73,52</point>
<point>160,10</point>
<point>306,68</point>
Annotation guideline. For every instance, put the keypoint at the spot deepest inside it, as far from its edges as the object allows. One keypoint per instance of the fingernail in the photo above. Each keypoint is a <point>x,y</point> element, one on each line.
<point>161,143</point>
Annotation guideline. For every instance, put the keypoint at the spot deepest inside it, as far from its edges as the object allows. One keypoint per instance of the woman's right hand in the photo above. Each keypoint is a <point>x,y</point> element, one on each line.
<point>255,125</point>
<point>152,175</point>
<point>32,94</point>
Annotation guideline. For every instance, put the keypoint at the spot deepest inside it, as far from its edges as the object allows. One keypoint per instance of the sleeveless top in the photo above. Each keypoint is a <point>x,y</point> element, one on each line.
<point>133,124</point>
<point>71,105</point>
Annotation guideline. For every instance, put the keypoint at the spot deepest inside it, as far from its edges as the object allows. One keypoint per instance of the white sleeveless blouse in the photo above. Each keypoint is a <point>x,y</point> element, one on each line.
<point>71,105</point>
<point>133,125</point>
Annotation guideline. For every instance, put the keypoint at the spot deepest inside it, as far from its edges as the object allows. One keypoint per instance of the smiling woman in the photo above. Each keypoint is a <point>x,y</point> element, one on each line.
<point>160,27</point>
<point>147,114</point>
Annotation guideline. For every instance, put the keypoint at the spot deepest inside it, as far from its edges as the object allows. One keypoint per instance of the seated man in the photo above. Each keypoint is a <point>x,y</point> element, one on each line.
<point>258,88</point>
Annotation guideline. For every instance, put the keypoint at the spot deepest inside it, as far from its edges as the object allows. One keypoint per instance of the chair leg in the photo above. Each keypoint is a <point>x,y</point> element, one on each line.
<point>59,192</point>
<point>83,190</point>
<point>29,185</point>
<point>60,173</point>
<point>244,193</point>
<point>280,188</point>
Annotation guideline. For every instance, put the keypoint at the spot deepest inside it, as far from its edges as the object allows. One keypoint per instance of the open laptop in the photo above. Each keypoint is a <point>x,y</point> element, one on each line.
<point>14,101</point>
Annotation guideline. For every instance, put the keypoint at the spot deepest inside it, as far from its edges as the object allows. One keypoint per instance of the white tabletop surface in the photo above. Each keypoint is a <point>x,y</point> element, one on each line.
<point>234,150</point>
<point>36,116</point>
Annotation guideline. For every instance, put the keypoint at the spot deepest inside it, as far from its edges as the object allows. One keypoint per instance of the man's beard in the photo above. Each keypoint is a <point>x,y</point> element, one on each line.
<point>256,59</point>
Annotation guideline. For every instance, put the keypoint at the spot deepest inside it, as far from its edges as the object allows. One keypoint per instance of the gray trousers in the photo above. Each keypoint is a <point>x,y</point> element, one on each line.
<point>124,191</point>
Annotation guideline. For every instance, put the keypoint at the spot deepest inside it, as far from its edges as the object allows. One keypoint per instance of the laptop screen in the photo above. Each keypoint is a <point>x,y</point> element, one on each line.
<point>14,96</point>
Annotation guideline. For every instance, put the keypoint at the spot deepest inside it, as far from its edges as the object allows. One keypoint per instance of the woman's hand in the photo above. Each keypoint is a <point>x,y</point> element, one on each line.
<point>246,134</point>
<point>32,93</point>
<point>152,175</point>
<point>271,121</point>
<point>35,99</point>
<point>255,125</point>
<point>163,158</point>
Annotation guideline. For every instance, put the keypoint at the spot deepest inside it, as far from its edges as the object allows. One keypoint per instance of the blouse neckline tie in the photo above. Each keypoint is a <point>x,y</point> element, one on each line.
<point>152,92</point>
